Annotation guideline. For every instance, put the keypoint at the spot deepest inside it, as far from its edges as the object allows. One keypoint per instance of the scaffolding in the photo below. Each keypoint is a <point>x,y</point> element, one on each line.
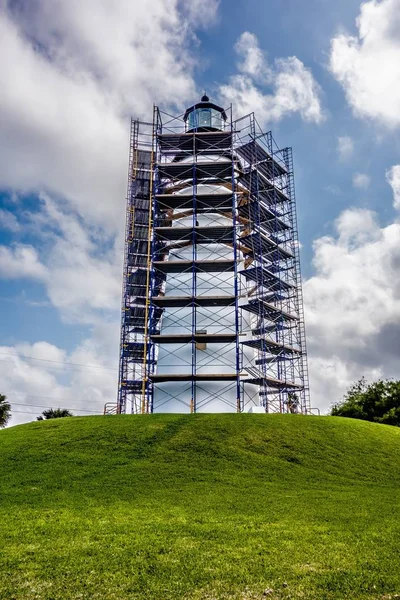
<point>212,308</point>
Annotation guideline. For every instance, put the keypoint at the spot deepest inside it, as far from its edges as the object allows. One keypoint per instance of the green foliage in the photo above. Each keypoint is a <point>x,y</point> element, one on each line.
<point>378,402</point>
<point>54,413</point>
<point>5,411</point>
<point>200,507</point>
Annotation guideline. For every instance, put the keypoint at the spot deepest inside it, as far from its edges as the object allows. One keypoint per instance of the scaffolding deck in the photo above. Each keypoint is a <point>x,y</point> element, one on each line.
<point>254,153</point>
<point>184,301</point>
<point>210,338</point>
<point>198,266</point>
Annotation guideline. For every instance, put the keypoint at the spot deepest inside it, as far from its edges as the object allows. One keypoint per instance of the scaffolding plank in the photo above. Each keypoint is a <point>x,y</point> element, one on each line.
<point>186,338</point>
<point>164,377</point>
<point>257,212</point>
<point>262,308</point>
<point>183,301</point>
<point>263,188</point>
<point>265,278</point>
<point>263,245</point>
<point>265,345</point>
<point>199,266</point>
<point>254,153</point>
<point>273,383</point>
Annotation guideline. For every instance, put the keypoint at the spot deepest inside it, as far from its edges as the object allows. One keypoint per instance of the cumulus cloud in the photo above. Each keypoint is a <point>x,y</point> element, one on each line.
<point>361,181</point>
<point>75,73</point>
<point>41,375</point>
<point>367,65</point>
<point>345,147</point>
<point>79,265</point>
<point>71,82</point>
<point>352,305</point>
<point>294,89</point>
<point>21,261</point>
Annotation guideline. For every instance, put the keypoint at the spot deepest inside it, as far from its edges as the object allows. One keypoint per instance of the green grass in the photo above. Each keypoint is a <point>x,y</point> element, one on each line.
<point>170,507</point>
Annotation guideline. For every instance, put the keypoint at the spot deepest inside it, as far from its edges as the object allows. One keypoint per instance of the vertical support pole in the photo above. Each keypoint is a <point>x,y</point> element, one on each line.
<point>236,255</point>
<point>193,403</point>
<point>147,358</point>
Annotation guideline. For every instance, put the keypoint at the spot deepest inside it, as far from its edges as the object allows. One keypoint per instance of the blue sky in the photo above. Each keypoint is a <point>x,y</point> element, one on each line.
<point>323,76</point>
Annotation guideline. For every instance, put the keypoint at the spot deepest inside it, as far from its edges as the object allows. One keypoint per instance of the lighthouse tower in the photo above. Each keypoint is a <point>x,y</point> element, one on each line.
<point>212,310</point>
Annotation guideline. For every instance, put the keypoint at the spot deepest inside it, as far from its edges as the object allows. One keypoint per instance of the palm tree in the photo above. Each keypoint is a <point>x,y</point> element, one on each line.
<point>5,411</point>
<point>54,413</point>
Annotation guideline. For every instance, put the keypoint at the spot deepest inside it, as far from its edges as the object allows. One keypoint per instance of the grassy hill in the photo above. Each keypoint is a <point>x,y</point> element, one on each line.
<point>200,507</point>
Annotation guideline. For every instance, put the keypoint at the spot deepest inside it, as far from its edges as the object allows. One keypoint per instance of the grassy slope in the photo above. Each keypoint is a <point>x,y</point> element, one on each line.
<point>187,507</point>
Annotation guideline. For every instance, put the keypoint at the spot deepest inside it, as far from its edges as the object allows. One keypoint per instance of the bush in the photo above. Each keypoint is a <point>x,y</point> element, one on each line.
<point>378,402</point>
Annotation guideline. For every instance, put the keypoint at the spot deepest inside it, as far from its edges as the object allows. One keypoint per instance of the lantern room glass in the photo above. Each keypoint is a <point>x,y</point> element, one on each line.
<point>205,117</point>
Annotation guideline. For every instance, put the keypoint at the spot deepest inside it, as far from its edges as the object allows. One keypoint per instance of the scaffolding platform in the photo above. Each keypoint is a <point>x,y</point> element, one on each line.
<point>266,345</point>
<point>257,212</point>
<point>198,266</point>
<point>261,244</point>
<point>184,301</point>
<point>210,338</point>
<point>270,382</point>
<point>265,278</point>
<point>258,306</point>
<point>164,377</point>
<point>255,154</point>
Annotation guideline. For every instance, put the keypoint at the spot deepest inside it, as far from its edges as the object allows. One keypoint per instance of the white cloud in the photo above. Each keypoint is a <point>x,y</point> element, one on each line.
<point>345,147</point>
<point>361,181</point>
<point>352,305</point>
<point>368,65</point>
<point>393,178</point>
<point>21,261</point>
<point>74,74</point>
<point>293,85</point>
<point>253,60</point>
<point>41,375</point>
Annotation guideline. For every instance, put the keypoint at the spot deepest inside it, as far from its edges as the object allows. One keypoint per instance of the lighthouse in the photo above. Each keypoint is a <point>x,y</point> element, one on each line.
<point>212,309</point>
